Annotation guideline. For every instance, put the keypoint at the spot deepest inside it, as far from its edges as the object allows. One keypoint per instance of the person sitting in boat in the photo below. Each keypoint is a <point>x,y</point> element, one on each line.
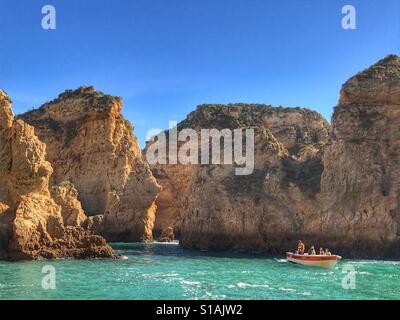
<point>327,252</point>
<point>301,247</point>
<point>312,251</point>
<point>321,252</point>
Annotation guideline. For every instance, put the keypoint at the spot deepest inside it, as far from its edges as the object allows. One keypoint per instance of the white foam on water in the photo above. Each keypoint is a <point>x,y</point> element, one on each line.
<point>175,242</point>
<point>364,262</point>
<point>159,275</point>
<point>287,289</point>
<point>326,273</point>
<point>244,285</point>
<point>191,282</point>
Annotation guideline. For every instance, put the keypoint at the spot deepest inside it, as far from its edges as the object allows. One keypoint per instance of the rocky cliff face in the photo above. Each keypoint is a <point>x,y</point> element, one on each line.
<point>336,187</point>
<point>261,210</point>
<point>66,196</point>
<point>31,223</point>
<point>175,181</point>
<point>92,146</point>
<point>360,187</point>
<point>213,208</point>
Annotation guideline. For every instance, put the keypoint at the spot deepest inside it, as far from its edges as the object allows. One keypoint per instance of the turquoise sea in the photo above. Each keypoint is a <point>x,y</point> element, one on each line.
<point>166,271</point>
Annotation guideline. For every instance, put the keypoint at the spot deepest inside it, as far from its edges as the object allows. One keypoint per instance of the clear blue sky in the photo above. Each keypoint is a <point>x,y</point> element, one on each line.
<point>164,57</point>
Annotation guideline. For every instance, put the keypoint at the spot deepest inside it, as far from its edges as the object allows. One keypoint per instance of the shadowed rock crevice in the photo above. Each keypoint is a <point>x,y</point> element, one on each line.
<point>306,175</point>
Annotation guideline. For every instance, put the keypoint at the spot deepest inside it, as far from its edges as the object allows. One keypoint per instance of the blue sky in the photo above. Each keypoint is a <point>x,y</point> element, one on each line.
<point>164,57</point>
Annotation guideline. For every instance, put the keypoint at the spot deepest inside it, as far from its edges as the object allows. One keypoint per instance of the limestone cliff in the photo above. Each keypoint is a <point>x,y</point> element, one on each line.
<point>360,187</point>
<point>90,144</point>
<point>212,208</point>
<point>336,187</point>
<point>66,196</point>
<point>175,180</point>
<point>31,224</point>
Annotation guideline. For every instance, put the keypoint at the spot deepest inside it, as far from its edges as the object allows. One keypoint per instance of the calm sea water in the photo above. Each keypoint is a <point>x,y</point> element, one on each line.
<point>165,271</point>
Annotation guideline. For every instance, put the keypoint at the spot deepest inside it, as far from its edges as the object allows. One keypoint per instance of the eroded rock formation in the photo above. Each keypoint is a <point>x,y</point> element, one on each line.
<point>360,187</point>
<point>214,208</point>
<point>31,224</point>
<point>90,144</point>
<point>167,235</point>
<point>338,187</point>
<point>66,196</point>
<point>175,180</point>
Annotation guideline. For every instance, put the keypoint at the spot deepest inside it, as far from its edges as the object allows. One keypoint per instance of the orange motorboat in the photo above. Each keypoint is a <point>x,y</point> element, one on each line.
<point>313,260</point>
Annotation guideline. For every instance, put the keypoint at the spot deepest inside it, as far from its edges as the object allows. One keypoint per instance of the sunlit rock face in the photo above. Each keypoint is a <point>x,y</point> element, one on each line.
<point>360,182</point>
<point>31,224</point>
<point>66,196</point>
<point>91,145</point>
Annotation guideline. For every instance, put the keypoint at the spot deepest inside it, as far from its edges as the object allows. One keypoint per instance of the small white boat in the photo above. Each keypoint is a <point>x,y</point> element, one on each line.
<point>313,260</point>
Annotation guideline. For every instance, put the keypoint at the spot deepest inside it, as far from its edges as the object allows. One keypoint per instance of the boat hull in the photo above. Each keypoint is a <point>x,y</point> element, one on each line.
<point>313,260</point>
